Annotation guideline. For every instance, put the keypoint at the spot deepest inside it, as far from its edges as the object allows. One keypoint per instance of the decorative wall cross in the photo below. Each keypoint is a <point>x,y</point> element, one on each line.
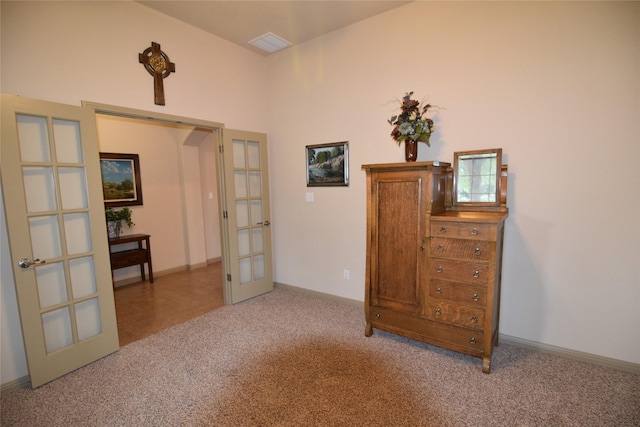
<point>158,65</point>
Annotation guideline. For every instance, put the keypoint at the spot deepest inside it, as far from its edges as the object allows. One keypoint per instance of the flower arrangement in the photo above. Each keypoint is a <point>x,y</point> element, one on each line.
<point>412,123</point>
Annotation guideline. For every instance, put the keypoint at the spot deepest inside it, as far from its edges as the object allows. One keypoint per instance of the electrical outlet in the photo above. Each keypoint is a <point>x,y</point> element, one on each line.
<point>345,275</point>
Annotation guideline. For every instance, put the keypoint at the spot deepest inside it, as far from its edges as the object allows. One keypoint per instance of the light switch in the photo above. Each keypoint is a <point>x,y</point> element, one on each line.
<point>309,196</point>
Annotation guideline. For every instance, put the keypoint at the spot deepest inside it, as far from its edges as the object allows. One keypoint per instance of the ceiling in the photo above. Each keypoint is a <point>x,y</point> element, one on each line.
<point>296,21</point>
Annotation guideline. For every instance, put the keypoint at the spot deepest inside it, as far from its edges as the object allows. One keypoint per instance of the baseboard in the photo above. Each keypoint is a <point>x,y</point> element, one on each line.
<point>344,300</point>
<point>197,266</point>
<point>137,279</point>
<point>509,340</point>
<point>593,359</point>
<point>11,386</point>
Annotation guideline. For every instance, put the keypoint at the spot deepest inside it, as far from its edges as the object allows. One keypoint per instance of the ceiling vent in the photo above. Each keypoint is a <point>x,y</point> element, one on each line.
<point>270,43</point>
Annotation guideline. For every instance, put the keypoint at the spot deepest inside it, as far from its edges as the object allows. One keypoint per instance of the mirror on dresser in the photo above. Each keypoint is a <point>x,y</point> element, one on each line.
<point>476,177</point>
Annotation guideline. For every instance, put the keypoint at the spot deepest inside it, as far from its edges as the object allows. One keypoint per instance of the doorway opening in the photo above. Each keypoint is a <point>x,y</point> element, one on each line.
<point>178,168</point>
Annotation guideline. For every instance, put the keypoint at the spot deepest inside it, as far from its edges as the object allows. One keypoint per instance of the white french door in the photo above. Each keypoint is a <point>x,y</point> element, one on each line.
<point>246,216</point>
<point>58,242</point>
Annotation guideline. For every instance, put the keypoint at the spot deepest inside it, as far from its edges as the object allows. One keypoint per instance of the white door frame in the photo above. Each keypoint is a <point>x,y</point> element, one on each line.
<point>258,287</point>
<point>151,116</point>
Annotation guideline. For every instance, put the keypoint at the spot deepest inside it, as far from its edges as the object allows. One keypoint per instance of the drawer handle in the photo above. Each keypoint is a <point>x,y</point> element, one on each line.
<point>477,251</point>
<point>476,297</point>
<point>443,229</point>
<point>472,340</point>
<point>474,231</point>
<point>439,269</point>
<point>438,290</point>
<point>441,248</point>
<point>377,315</point>
<point>438,311</point>
<point>474,319</point>
<point>476,274</point>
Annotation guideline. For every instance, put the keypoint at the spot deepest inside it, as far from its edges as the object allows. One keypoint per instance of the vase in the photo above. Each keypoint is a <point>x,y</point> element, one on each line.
<point>113,229</point>
<point>410,150</point>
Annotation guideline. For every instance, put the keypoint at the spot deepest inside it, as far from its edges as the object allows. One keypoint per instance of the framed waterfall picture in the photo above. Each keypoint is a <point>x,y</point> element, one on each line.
<point>121,183</point>
<point>328,165</point>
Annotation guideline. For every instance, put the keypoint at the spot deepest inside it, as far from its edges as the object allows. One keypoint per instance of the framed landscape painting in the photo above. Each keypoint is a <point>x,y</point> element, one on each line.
<point>121,183</point>
<point>328,165</point>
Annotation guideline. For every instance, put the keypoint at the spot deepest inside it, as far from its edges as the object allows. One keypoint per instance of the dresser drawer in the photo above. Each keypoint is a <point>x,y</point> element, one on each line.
<point>460,248</point>
<point>464,230</point>
<point>458,293</point>
<point>470,340</point>
<point>474,273</point>
<point>444,311</point>
<point>396,321</point>
<point>459,338</point>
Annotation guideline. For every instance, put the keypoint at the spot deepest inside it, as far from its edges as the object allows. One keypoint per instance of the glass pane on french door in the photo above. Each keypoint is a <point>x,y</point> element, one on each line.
<point>56,190</point>
<point>249,209</point>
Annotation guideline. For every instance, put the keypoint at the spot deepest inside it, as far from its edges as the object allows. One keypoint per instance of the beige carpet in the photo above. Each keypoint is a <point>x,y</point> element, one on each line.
<point>290,359</point>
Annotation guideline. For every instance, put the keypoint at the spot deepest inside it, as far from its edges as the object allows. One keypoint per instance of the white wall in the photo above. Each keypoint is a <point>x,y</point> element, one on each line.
<point>554,84</point>
<point>209,188</point>
<point>13,362</point>
<point>72,51</point>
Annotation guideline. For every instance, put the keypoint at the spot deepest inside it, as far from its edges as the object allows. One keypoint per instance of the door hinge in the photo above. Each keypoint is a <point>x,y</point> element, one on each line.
<point>225,215</point>
<point>220,148</point>
<point>228,277</point>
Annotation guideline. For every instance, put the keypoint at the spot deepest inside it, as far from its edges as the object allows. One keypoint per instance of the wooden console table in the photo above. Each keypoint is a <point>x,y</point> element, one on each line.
<point>130,257</point>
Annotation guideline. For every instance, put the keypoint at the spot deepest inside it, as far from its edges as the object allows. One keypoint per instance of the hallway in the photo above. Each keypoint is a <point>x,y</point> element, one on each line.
<point>143,309</point>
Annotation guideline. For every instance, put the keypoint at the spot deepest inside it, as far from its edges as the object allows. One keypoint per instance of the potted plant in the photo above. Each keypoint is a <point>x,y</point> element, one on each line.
<point>114,221</point>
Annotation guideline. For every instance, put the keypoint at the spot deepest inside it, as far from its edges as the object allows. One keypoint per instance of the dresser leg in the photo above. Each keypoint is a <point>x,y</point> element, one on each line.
<point>486,364</point>
<point>368,330</point>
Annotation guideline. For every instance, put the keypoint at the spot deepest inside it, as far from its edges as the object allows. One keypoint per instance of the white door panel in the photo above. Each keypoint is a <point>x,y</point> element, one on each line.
<point>246,225</point>
<point>55,220</point>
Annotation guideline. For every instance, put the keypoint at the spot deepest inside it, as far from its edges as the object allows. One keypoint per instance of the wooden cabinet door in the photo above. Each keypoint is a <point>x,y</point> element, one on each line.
<point>398,242</point>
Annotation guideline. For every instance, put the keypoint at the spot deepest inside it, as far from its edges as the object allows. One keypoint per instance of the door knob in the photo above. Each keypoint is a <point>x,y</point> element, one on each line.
<point>265,223</point>
<point>28,262</point>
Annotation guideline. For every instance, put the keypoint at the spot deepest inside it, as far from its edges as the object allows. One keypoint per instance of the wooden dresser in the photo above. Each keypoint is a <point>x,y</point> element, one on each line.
<point>433,269</point>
